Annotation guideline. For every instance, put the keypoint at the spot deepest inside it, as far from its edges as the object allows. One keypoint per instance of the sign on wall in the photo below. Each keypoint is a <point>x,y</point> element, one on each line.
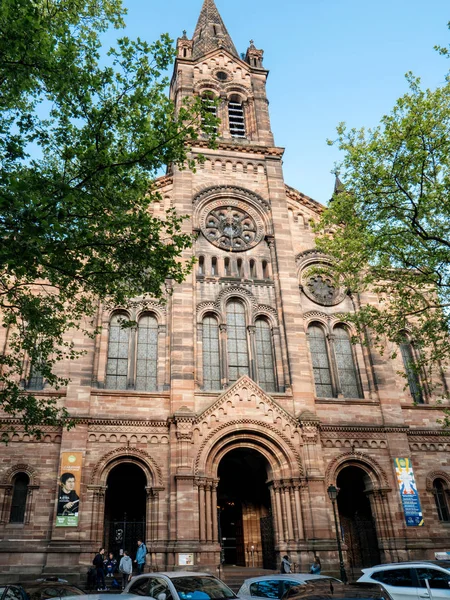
<point>408,492</point>
<point>67,512</point>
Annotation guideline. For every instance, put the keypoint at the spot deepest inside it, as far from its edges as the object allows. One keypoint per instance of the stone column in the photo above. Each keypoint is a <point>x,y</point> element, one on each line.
<point>131,384</point>
<point>29,506</point>
<point>98,512</point>
<point>209,527</point>
<point>202,510</point>
<point>287,503</point>
<point>298,510</point>
<point>223,354</point>
<point>253,371</point>
<point>214,511</point>
<point>279,512</point>
<point>6,504</point>
<point>273,503</point>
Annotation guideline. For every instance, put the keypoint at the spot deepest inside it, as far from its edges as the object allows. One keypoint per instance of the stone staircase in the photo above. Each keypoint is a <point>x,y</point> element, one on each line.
<point>234,576</point>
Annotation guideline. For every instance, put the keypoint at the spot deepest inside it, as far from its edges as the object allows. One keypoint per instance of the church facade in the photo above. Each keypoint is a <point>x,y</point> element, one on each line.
<point>214,428</point>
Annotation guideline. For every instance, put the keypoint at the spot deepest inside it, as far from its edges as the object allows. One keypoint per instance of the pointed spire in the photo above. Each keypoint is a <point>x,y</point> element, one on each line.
<point>211,33</point>
<point>338,185</point>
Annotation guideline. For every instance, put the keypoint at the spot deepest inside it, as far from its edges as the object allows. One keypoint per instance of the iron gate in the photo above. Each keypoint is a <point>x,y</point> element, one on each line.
<point>123,535</point>
<point>268,543</point>
<point>361,539</point>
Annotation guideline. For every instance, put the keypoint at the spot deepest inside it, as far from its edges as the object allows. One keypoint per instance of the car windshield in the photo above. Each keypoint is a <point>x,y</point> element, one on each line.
<point>43,591</point>
<point>201,588</point>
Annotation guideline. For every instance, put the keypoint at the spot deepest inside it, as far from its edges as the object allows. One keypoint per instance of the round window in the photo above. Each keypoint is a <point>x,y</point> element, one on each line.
<point>222,76</point>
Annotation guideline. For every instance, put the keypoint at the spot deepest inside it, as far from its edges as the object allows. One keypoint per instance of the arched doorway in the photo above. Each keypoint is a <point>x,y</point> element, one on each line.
<point>244,510</point>
<point>125,508</point>
<point>356,517</point>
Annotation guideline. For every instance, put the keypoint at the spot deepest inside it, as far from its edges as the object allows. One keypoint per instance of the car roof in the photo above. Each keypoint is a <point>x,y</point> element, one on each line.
<point>409,563</point>
<point>299,576</point>
<point>173,574</point>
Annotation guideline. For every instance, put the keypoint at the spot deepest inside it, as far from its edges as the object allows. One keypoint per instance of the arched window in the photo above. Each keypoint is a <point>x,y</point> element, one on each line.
<point>118,347</point>
<point>320,360</point>
<point>214,272</point>
<point>265,268</point>
<point>19,498</point>
<point>264,356</point>
<point>238,363</point>
<point>240,269</point>
<point>227,267</point>
<point>236,117</point>
<point>440,497</point>
<point>411,371</point>
<point>211,354</point>
<point>346,368</point>
<point>147,354</point>
<point>201,265</point>
<point>36,379</point>
<point>209,105</point>
<point>253,274</point>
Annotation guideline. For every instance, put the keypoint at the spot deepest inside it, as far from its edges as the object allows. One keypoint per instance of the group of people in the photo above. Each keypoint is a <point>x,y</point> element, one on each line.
<point>107,566</point>
<point>286,565</point>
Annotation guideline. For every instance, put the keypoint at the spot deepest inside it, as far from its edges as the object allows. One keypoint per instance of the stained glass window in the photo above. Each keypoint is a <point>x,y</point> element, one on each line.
<point>411,371</point>
<point>147,354</point>
<point>237,342</point>
<point>264,356</point>
<point>117,365</point>
<point>19,498</point>
<point>320,361</point>
<point>348,375</point>
<point>35,380</point>
<point>440,497</point>
<point>211,354</point>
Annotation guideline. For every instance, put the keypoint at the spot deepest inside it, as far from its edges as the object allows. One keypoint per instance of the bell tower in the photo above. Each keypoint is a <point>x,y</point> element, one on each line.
<point>209,65</point>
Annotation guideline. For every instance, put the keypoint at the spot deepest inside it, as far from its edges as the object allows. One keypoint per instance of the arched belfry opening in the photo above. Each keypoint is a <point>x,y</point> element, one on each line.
<point>357,518</point>
<point>125,508</point>
<point>244,509</point>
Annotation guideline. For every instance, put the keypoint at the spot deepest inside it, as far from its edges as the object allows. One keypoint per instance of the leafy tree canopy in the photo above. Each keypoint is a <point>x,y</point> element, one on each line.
<point>388,225</point>
<point>82,135</point>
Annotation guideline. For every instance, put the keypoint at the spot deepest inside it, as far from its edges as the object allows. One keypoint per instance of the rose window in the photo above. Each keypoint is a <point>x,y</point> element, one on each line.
<point>231,228</point>
<point>322,288</point>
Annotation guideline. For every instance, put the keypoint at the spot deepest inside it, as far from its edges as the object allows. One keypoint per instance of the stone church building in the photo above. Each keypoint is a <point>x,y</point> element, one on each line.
<point>214,429</point>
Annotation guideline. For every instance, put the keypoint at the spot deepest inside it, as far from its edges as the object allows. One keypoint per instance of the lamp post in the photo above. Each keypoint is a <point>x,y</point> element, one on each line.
<point>333,494</point>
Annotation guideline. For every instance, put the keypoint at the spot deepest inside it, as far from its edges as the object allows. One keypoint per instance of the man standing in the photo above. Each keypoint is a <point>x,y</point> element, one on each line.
<point>126,568</point>
<point>140,557</point>
<point>98,564</point>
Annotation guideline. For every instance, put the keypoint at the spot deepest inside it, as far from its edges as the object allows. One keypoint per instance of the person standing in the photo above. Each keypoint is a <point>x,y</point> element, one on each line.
<point>98,564</point>
<point>126,568</point>
<point>285,564</point>
<point>316,567</point>
<point>140,557</point>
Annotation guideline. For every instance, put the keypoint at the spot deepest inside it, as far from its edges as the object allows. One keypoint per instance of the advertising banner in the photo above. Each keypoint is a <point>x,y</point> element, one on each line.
<point>69,489</point>
<point>408,492</point>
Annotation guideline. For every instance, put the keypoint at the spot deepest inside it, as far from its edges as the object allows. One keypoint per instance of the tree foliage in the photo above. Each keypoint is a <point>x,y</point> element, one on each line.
<point>388,226</point>
<point>82,135</point>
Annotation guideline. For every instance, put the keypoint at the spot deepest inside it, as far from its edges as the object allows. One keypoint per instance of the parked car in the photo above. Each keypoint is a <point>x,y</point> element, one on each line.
<point>178,585</point>
<point>276,586</point>
<point>329,589</point>
<point>412,580</point>
<point>41,589</point>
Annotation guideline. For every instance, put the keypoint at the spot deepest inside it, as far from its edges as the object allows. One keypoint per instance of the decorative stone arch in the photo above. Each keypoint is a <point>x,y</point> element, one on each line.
<point>126,454</point>
<point>206,85</point>
<point>21,468</point>
<point>317,316</point>
<point>207,308</point>
<point>433,475</point>
<point>286,462</point>
<point>368,464</point>
<point>7,486</point>
<point>267,312</point>
<point>240,293</point>
<point>237,90</point>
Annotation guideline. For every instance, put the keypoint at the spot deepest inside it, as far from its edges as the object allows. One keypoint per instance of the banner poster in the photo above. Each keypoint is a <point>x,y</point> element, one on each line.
<point>408,492</point>
<point>69,489</point>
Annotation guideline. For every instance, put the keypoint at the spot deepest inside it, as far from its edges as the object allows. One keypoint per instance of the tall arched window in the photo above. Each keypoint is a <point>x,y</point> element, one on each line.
<point>209,105</point>
<point>346,368</point>
<point>118,347</point>
<point>236,117</point>
<point>19,498</point>
<point>320,360</point>
<point>211,354</point>
<point>238,363</point>
<point>440,497</point>
<point>411,371</point>
<point>264,356</point>
<point>36,379</point>
<point>147,354</point>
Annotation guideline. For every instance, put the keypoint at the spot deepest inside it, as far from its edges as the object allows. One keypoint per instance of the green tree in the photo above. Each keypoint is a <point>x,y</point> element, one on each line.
<point>388,226</point>
<point>82,135</point>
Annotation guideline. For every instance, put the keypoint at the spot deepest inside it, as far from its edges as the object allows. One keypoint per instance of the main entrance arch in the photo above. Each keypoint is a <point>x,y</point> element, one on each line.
<point>244,509</point>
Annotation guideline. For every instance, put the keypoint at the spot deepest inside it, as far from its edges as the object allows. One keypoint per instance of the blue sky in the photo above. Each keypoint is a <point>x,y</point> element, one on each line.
<point>329,61</point>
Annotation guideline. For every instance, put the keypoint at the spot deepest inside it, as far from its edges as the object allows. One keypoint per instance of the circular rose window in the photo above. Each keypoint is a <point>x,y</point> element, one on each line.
<point>232,228</point>
<point>322,289</point>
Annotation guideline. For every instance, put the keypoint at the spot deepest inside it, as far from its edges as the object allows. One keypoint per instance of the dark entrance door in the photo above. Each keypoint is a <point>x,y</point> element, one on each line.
<point>268,542</point>
<point>244,502</point>
<point>357,520</point>
<point>125,508</point>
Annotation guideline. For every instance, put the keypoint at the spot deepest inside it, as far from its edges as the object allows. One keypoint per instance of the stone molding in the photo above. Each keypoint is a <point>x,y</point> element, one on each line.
<point>445,475</point>
<point>123,453</point>
<point>217,192</point>
<point>294,194</point>
<point>21,468</point>
<point>373,468</point>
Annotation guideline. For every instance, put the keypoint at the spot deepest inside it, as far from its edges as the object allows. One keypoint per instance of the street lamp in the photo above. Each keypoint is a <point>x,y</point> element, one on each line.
<point>333,492</point>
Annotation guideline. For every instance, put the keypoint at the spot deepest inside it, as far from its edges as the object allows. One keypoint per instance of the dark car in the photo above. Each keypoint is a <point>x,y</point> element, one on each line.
<point>335,590</point>
<point>42,589</point>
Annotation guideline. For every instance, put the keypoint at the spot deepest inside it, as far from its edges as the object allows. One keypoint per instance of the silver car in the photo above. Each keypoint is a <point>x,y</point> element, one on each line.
<point>276,586</point>
<point>176,585</point>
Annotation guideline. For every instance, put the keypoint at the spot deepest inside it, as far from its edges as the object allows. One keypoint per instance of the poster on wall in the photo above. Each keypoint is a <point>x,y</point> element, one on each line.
<point>408,492</point>
<point>69,482</point>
